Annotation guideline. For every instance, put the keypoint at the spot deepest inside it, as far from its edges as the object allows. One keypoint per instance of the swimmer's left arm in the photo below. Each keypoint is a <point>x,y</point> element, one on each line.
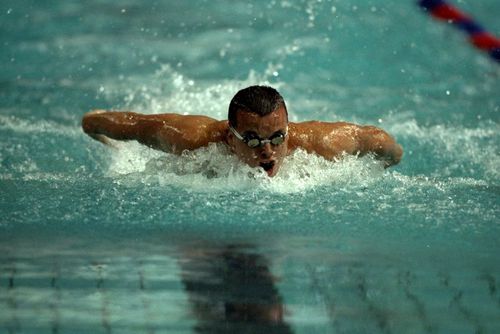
<point>375,140</point>
<point>331,140</point>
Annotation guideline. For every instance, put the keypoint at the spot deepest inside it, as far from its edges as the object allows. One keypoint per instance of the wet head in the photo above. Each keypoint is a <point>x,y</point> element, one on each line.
<point>270,130</point>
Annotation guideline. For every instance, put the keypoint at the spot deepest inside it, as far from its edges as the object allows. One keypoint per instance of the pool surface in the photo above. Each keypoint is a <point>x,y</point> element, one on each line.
<point>131,240</point>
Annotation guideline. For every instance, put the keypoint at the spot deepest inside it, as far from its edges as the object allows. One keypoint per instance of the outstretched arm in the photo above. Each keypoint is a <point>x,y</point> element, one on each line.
<point>331,140</point>
<point>172,133</point>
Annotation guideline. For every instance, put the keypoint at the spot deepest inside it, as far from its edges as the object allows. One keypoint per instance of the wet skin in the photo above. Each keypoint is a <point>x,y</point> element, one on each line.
<point>176,133</point>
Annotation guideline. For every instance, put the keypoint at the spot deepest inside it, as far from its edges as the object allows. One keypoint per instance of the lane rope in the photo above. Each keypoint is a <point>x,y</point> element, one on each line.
<point>478,36</point>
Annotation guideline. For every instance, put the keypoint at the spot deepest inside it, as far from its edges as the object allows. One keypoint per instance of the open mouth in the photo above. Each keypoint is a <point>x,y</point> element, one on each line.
<point>267,166</point>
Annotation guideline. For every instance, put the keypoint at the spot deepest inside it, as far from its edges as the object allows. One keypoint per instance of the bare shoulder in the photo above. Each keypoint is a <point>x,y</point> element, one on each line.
<point>328,139</point>
<point>332,139</point>
<point>189,132</point>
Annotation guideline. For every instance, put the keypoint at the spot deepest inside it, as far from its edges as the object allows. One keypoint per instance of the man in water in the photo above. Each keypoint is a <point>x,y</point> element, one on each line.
<point>257,132</point>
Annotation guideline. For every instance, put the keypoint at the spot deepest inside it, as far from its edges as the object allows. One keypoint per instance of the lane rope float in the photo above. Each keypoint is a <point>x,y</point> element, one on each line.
<point>478,36</point>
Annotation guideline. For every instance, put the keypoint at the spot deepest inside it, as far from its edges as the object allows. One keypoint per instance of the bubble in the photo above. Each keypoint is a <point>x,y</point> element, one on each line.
<point>215,169</point>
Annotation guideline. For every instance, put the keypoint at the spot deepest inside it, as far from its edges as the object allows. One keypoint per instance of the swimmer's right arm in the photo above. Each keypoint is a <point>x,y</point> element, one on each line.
<point>171,133</point>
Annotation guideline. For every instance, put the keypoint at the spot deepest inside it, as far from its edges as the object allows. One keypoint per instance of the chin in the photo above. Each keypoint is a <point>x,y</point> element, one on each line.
<point>272,173</point>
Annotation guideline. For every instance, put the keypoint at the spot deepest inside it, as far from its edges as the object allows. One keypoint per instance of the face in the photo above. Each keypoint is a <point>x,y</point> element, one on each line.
<point>269,156</point>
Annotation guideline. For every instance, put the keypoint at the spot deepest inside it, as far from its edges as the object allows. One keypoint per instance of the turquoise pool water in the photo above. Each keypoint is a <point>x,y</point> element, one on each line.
<point>137,241</point>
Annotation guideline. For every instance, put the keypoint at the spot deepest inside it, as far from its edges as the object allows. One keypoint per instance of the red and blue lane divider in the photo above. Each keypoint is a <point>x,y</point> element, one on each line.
<point>478,36</point>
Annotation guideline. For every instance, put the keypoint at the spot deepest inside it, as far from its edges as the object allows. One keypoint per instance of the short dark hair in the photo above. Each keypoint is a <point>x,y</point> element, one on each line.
<point>260,100</point>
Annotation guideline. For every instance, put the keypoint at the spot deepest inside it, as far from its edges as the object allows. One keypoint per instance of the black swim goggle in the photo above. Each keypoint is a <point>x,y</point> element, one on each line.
<point>254,141</point>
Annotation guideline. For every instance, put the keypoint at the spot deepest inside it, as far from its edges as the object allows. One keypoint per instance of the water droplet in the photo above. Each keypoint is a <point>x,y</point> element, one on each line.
<point>9,11</point>
<point>448,92</point>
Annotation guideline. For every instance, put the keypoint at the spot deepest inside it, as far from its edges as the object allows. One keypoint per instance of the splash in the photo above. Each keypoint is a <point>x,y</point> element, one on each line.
<point>34,126</point>
<point>170,91</point>
<point>214,168</point>
<point>457,150</point>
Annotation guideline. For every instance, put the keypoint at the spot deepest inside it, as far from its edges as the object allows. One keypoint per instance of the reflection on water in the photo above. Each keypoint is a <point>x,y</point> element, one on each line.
<point>68,285</point>
<point>175,284</point>
<point>231,290</point>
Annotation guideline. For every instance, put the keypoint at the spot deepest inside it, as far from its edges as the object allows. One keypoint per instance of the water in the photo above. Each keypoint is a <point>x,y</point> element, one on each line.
<point>133,240</point>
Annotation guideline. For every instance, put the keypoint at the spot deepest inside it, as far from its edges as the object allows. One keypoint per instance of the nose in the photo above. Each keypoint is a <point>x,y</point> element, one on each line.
<point>266,151</point>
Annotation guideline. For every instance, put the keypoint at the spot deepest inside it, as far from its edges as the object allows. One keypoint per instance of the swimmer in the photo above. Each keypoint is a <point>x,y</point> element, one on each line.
<point>257,132</point>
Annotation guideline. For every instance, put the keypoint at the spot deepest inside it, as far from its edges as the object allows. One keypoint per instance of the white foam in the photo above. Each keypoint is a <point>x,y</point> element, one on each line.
<point>19,125</point>
<point>462,145</point>
<point>170,91</point>
<point>213,168</point>
<point>446,134</point>
<point>409,183</point>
